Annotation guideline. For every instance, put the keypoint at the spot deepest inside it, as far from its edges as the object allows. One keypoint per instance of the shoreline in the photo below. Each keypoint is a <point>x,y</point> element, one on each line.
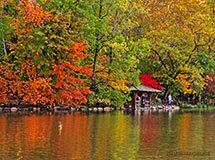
<point>153,108</point>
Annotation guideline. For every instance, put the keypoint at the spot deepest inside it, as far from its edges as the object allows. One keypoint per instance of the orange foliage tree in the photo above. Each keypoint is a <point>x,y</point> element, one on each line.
<point>65,84</point>
<point>3,90</point>
<point>25,87</point>
<point>31,15</point>
<point>22,80</point>
<point>70,87</point>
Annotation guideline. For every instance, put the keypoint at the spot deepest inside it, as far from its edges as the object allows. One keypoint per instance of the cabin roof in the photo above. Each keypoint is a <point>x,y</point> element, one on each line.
<point>144,89</point>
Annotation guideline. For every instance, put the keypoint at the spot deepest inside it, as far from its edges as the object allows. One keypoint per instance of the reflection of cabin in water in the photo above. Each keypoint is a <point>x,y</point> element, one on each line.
<point>141,96</point>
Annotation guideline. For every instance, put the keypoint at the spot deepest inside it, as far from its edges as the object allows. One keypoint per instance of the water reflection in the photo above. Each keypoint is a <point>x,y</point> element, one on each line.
<point>113,135</point>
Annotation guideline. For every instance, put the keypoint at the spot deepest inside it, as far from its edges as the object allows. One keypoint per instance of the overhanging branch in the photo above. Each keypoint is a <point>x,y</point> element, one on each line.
<point>160,58</point>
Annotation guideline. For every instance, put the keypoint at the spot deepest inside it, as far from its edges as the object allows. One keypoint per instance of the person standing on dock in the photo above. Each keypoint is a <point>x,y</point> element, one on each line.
<point>169,101</point>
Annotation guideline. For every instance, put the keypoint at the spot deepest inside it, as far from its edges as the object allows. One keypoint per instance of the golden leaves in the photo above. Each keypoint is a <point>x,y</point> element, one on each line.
<point>185,82</point>
<point>110,77</point>
<point>191,82</point>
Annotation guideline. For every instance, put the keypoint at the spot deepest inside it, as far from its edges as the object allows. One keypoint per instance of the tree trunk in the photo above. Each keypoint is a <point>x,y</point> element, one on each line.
<point>4,44</point>
<point>2,33</point>
<point>94,68</point>
<point>94,87</point>
<point>167,92</point>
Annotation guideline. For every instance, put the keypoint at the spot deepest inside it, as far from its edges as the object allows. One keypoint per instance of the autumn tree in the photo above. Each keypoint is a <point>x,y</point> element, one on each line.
<point>110,31</point>
<point>44,64</point>
<point>178,31</point>
<point>70,88</point>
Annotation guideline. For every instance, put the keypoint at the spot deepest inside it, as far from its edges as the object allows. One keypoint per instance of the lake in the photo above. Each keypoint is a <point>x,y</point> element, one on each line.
<point>107,136</point>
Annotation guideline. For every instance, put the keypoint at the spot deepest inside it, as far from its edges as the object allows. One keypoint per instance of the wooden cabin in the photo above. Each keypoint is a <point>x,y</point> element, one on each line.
<point>141,96</point>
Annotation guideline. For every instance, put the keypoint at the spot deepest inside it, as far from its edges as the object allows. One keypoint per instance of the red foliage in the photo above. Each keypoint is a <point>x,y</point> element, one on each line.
<point>147,80</point>
<point>70,88</point>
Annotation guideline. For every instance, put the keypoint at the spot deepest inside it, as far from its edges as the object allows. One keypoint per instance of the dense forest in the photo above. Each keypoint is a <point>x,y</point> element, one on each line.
<point>73,52</point>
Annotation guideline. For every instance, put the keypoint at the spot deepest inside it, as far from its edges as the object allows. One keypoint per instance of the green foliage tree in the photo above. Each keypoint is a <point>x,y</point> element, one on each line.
<point>111,32</point>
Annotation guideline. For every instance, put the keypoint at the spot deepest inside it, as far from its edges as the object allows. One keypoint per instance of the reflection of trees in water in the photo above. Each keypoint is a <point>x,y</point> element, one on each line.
<point>184,131</point>
<point>192,132</point>
<point>116,137</point>
<point>3,134</point>
<point>103,136</point>
<point>149,130</point>
<point>75,137</point>
<point>209,130</point>
<point>24,136</point>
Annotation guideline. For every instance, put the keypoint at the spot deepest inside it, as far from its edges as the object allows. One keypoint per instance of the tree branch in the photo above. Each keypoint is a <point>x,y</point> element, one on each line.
<point>111,4</point>
<point>171,61</point>
<point>160,58</point>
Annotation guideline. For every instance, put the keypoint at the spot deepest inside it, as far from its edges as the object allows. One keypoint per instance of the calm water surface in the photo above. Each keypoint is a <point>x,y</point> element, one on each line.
<point>108,136</point>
